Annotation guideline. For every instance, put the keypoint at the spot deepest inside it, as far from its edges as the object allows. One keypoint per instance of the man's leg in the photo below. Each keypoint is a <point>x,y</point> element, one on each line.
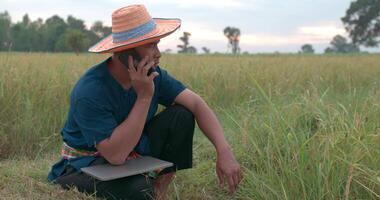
<point>171,138</point>
<point>161,185</point>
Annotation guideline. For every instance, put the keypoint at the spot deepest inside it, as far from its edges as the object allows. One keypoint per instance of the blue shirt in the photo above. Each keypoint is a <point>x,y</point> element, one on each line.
<point>98,104</point>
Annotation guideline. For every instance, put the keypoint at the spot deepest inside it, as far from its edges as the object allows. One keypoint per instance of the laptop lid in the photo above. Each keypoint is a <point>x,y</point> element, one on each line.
<point>106,172</point>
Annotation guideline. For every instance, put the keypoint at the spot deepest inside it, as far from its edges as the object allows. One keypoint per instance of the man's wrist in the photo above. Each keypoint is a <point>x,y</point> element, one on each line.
<point>223,148</point>
<point>146,99</point>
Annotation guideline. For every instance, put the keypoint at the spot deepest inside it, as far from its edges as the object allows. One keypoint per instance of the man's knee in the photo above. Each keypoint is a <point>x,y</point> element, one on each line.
<point>183,125</point>
<point>183,113</point>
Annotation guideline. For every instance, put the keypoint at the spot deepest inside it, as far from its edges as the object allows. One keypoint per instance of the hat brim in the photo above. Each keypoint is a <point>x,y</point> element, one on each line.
<point>164,27</point>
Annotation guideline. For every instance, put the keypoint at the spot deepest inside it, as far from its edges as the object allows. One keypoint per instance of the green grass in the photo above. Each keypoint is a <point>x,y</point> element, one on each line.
<point>302,127</point>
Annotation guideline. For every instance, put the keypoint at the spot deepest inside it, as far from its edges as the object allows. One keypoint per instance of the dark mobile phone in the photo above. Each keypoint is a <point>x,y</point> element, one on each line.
<point>123,57</point>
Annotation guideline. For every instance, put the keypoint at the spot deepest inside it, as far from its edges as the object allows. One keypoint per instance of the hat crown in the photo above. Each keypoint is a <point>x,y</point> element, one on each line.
<point>133,26</point>
<point>129,17</point>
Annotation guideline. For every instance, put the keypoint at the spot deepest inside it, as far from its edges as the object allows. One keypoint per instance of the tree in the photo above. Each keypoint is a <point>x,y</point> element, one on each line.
<point>76,40</point>
<point>206,50</point>
<point>233,36</point>
<point>191,50</point>
<point>185,39</point>
<point>91,38</point>
<point>74,23</point>
<point>339,44</point>
<point>168,51</point>
<point>53,29</point>
<point>185,48</point>
<point>22,35</point>
<point>36,37</point>
<point>362,21</point>
<point>26,20</point>
<point>329,50</point>
<point>5,26</point>
<point>307,49</point>
<point>100,30</point>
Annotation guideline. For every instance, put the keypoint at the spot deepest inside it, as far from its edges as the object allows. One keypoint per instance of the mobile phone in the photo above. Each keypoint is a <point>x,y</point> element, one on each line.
<point>123,57</point>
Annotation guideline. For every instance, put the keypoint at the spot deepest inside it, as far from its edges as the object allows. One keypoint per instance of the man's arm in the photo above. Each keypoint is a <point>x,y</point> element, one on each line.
<point>117,147</point>
<point>227,167</point>
<point>124,138</point>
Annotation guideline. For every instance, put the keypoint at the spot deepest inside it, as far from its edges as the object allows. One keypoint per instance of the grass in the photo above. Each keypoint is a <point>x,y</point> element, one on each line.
<point>302,127</point>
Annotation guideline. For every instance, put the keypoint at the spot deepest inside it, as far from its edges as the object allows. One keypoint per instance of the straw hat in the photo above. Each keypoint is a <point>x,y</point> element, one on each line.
<point>132,26</point>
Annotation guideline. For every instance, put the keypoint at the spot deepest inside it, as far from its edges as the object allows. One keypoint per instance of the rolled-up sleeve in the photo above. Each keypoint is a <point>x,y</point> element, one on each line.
<point>169,88</point>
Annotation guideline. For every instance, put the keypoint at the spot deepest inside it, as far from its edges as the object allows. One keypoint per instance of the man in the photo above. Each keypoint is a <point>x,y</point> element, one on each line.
<point>112,108</point>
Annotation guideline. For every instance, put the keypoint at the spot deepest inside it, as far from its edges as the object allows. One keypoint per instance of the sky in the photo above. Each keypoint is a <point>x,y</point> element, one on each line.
<point>265,25</point>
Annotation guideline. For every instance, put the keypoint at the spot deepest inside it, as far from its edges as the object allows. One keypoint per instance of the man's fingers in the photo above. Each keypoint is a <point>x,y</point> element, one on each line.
<point>142,63</point>
<point>153,75</point>
<point>236,180</point>
<point>231,184</point>
<point>220,177</point>
<point>130,64</point>
<point>147,67</point>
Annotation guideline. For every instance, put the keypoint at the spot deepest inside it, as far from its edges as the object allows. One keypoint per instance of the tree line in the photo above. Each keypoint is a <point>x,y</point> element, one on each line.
<point>338,44</point>
<point>53,35</point>
<point>362,22</point>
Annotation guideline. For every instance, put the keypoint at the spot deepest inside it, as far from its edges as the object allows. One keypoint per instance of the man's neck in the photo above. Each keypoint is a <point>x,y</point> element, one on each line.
<point>119,73</point>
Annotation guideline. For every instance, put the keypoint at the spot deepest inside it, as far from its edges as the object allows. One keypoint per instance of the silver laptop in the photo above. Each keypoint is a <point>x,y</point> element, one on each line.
<point>106,172</point>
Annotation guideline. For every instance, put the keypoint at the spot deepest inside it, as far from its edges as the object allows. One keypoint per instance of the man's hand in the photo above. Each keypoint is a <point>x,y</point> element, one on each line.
<point>141,82</point>
<point>228,169</point>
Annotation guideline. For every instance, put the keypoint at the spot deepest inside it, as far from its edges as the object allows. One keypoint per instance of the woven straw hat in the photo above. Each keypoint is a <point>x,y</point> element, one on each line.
<point>132,26</point>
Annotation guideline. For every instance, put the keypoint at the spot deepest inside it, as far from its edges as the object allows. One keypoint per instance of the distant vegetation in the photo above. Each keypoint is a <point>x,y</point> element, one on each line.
<point>362,22</point>
<point>185,47</point>
<point>307,49</point>
<point>53,35</point>
<point>233,36</point>
<point>339,44</point>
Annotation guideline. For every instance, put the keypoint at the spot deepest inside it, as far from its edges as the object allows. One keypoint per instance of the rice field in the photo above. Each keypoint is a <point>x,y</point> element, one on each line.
<point>302,126</point>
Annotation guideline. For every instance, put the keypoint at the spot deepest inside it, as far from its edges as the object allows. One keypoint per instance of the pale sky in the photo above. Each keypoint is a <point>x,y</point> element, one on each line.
<point>265,25</point>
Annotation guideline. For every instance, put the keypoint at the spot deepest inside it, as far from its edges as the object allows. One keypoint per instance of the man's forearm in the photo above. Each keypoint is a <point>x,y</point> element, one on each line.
<point>227,168</point>
<point>210,126</point>
<point>125,137</point>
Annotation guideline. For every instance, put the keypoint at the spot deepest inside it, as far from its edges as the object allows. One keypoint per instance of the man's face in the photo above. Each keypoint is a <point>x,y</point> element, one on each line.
<point>151,50</point>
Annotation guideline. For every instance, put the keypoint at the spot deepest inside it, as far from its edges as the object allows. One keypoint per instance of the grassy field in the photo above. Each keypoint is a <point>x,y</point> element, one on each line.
<point>302,127</point>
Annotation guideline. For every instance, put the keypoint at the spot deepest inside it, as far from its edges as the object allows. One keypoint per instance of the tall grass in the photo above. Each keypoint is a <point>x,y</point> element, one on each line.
<point>303,127</point>
<point>34,91</point>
